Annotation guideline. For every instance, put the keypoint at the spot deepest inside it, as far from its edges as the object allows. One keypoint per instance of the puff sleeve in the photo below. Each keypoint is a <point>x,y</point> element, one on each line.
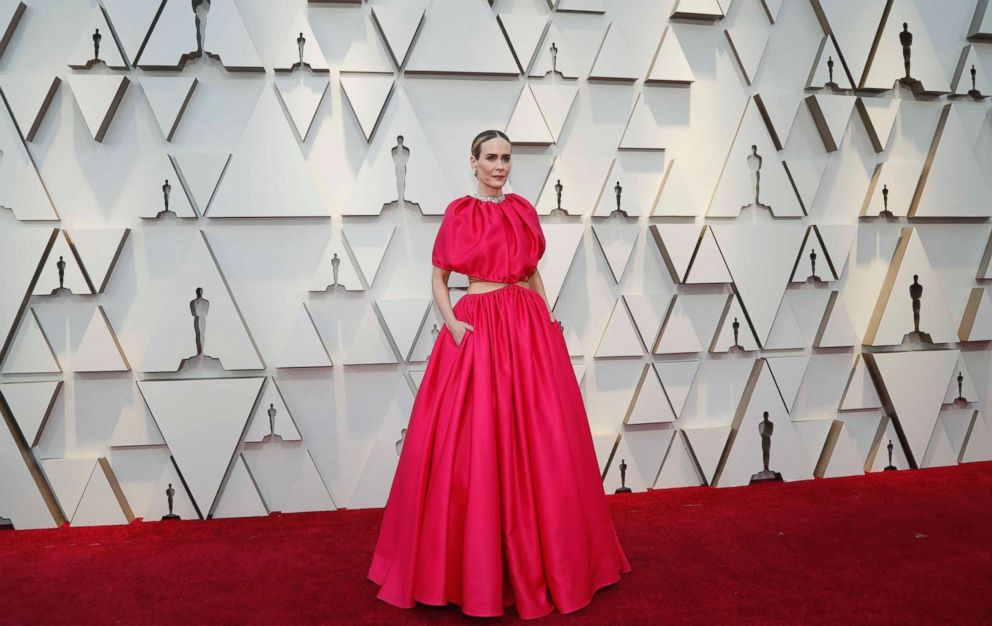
<point>442,255</point>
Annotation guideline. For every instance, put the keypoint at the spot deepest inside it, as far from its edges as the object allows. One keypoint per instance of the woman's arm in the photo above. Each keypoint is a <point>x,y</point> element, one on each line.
<point>537,284</point>
<point>442,297</point>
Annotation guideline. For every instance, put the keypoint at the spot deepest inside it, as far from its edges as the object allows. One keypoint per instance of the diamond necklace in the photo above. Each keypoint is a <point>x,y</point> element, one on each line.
<point>498,198</point>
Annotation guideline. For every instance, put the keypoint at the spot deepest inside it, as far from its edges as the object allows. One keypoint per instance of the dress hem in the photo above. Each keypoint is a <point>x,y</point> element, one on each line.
<point>470,613</point>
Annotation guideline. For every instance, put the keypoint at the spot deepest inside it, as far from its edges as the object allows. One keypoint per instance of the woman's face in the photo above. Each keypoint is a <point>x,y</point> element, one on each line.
<point>493,165</point>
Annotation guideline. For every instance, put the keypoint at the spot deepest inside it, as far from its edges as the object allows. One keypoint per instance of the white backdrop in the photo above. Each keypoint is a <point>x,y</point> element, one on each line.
<point>275,168</point>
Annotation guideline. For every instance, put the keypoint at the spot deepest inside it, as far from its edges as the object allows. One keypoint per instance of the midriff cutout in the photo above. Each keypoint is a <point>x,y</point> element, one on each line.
<point>477,285</point>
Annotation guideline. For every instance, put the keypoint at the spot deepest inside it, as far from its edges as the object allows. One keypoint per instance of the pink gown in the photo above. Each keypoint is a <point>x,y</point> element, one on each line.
<point>497,498</point>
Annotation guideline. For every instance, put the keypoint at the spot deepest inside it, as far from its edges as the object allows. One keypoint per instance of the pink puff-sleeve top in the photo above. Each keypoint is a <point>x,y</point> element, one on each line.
<point>494,241</point>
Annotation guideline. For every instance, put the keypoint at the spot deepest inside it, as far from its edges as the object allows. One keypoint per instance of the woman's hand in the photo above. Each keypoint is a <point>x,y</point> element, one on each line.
<point>554,320</point>
<point>458,329</point>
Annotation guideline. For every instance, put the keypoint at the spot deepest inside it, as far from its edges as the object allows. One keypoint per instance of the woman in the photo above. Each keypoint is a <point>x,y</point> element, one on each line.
<point>497,498</point>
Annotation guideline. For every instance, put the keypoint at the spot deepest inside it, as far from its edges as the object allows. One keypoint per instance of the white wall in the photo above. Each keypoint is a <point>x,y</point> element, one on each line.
<point>292,193</point>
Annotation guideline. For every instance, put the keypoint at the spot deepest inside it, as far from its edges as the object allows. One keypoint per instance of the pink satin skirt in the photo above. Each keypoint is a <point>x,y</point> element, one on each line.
<point>498,499</point>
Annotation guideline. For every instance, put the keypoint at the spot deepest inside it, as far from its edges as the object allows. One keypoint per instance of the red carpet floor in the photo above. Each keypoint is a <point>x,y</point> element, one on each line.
<point>908,547</point>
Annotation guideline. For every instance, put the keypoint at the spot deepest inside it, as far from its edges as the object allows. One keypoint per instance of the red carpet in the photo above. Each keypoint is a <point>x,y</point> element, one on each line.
<point>889,548</point>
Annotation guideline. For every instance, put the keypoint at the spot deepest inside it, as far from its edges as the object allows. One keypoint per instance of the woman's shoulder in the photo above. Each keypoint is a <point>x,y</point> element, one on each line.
<point>517,196</point>
<point>458,202</point>
<point>520,199</point>
<point>526,207</point>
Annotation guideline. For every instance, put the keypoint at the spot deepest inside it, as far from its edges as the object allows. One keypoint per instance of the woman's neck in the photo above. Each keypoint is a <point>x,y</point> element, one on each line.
<point>486,190</point>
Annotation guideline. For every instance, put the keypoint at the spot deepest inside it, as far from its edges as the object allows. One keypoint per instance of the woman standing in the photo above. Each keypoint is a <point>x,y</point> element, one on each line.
<point>497,498</point>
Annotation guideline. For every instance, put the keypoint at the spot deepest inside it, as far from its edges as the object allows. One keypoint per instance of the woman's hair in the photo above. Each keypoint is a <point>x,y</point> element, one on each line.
<point>483,137</point>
